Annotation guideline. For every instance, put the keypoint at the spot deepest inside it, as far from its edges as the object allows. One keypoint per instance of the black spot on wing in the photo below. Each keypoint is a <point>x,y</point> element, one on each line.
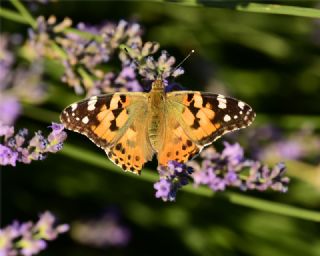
<point>190,97</point>
<point>196,123</point>
<point>207,103</point>
<point>116,112</point>
<point>189,143</point>
<point>119,146</point>
<point>123,98</point>
<point>194,110</point>
<point>113,125</point>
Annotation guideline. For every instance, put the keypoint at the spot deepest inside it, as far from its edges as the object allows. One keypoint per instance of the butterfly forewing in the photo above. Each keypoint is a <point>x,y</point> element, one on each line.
<point>206,116</point>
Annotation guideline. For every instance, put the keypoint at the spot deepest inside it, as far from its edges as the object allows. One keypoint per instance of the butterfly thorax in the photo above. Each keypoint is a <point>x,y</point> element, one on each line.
<point>156,107</point>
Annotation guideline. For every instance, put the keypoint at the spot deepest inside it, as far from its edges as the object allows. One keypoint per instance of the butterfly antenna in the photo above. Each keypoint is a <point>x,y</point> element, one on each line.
<point>181,62</point>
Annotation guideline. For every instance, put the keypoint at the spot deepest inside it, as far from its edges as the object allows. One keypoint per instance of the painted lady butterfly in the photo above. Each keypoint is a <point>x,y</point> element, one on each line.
<point>132,126</point>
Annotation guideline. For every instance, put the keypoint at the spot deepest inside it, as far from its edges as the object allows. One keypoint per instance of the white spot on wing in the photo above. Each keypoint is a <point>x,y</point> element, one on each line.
<point>74,106</point>
<point>226,118</point>
<point>241,104</point>
<point>222,105</point>
<point>222,101</point>
<point>91,103</point>
<point>85,120</point>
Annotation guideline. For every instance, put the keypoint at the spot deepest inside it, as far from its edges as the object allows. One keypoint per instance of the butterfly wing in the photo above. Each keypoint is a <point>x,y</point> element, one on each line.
<point>114,122</point>
<point>195,119</point>
<point>175,143</point>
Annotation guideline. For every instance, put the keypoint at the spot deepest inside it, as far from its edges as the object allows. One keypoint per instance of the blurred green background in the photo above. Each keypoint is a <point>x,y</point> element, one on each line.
<point>270,61</point>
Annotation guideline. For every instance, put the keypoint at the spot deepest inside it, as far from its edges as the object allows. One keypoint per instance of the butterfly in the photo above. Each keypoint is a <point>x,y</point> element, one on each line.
<point>133,126</point>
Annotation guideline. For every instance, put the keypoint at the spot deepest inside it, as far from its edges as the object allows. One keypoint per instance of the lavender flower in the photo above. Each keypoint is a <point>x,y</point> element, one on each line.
<point>172,177</point>
<point>220,170</point>
<point>27,238</point>
<point>16,148</point>
<point>163,67</point>
<point>163,188</point>
<point>103,232</point>
<point>41,38</point>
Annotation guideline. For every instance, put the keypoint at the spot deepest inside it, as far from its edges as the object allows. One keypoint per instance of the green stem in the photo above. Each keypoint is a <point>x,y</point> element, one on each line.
<point>273,207</point>
<point>24,12</point>
<point>88,81</point>
<point>279,9</point>
<point>251,7</point>
<point>11,15</point>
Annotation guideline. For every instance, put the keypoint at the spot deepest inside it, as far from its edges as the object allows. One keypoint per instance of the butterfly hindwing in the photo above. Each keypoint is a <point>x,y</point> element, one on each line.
<point>205,116</point>
<point>176,145</point>
<point>114,123</point>
<point>133,149</point>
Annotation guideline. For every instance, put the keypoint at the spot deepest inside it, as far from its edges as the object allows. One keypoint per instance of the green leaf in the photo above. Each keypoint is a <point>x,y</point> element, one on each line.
<point>252,7</point>
<point>11,15</point>
<point>24,12</point>
<point>279,9</point>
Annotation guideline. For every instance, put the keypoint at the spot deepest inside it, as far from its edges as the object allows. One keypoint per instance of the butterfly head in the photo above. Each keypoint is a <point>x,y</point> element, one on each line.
<point>158,85</point>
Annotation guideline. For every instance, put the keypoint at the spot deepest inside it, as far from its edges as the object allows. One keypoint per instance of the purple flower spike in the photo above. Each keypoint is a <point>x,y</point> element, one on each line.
<point>172,177</point>
<point>230,168</point>
<point>219,171</point>
<point>17,148</point>
<point>28,239</point>
<point>232,153</point>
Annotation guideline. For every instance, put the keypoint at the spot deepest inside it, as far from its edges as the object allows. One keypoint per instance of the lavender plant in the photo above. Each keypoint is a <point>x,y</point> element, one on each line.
<point>30,238</point>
